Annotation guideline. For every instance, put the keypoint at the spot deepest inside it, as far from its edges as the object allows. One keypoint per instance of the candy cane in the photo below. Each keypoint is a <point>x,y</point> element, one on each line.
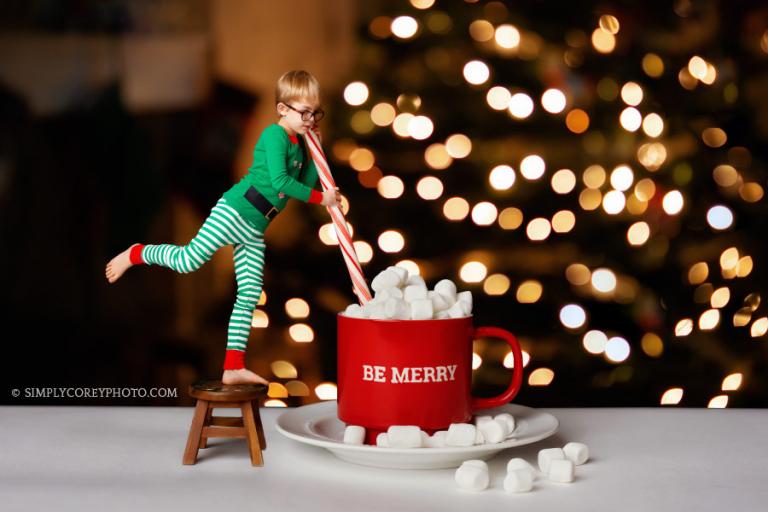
<point>339,223</point>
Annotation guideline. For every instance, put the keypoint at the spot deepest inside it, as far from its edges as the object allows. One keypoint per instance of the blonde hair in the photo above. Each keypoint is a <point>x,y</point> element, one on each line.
<point>295,86</point>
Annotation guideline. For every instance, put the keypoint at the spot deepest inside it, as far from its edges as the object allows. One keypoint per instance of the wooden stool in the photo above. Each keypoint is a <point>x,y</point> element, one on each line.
<point>212,394</point>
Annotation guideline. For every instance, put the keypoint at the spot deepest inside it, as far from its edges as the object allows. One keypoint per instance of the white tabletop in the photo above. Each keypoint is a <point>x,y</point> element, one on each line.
<point>129,458</point>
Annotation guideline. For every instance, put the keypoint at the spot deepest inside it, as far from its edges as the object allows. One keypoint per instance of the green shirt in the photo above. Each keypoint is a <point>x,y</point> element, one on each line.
<point>280,170</point>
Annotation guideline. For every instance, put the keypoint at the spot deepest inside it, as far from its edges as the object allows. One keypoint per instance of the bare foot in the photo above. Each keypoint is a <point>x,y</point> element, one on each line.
<point>242,376</point>
<point>118,265</point>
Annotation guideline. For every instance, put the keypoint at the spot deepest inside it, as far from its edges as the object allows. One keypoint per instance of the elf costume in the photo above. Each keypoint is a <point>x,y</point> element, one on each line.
<point>281,169</point>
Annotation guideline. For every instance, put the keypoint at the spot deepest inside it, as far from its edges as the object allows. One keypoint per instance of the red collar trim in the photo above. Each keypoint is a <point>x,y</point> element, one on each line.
<point>294,139</point>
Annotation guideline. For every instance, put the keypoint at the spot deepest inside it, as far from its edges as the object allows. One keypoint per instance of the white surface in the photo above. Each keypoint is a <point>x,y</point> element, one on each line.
<point>318,425</point>
<point>129,458</point>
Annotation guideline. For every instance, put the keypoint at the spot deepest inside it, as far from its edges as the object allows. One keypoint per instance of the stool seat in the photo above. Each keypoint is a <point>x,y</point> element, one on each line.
<point>212,394</point>
<point>215,391</point>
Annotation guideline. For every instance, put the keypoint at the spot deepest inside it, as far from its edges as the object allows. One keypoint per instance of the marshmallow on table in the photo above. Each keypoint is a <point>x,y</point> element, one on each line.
<point>421,309</point>
<point>473,475</point>
<point>518,480</point>
<point>461,434</point>
<point>404,436</point>
<point>547,455</point>
<point>561,470</point>
<point>397,309</point>
<point>518,464</point>
<point>508,419</point>
<point>354,434</point>
<point>494,431</point>
<point>382,440</point>
<point>578,453</point>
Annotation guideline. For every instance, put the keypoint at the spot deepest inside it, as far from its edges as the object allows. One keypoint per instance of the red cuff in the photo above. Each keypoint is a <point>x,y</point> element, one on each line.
<point>234,360</point>
<point>135,255</point>
<point>315,197</point>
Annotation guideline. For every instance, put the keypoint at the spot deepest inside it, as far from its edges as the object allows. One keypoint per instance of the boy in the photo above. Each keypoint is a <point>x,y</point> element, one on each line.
<point>281,169</point>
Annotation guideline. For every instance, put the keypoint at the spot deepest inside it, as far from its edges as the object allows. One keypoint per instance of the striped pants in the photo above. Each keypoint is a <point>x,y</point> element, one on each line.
<point>222,227</point>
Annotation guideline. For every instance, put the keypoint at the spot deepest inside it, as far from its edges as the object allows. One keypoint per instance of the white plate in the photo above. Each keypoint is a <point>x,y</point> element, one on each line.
<point>318,425</point>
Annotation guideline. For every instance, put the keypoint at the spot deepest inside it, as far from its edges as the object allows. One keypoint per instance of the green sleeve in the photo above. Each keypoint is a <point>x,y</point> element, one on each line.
<point>275,149</point>
<point>310,177</point>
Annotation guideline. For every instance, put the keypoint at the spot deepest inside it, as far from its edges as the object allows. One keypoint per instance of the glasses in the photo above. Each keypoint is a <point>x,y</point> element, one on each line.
<point>306,115</point>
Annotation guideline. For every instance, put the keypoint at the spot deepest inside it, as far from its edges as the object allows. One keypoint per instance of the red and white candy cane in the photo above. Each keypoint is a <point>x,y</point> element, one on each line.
<point>339,223</point>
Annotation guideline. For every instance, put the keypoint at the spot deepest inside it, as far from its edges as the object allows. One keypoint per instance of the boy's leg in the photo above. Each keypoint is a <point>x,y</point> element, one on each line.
<point>219,229</point>
<point>249,271</point>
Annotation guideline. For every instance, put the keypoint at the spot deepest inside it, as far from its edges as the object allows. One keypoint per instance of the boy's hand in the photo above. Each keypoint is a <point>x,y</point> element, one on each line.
<point>331,197</point>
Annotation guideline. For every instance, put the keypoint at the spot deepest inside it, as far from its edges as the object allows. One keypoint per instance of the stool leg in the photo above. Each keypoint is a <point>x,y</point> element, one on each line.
<point>195,431</point>
<point>251,433</point>
<point>206,423</point>
<point>259,426</point>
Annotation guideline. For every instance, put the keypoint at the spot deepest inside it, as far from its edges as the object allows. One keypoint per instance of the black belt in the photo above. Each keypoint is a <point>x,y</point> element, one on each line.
<point>261,203</point>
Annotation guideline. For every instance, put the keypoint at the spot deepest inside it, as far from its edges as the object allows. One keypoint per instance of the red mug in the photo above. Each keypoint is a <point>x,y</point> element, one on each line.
<point>413,372</point>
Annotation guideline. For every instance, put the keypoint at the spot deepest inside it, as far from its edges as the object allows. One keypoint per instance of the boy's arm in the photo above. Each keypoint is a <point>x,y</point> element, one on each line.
<point>275,150</point>
<point>310,179</point>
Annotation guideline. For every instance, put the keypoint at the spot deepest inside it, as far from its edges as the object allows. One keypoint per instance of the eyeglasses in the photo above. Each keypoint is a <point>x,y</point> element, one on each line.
<point>306,115</point>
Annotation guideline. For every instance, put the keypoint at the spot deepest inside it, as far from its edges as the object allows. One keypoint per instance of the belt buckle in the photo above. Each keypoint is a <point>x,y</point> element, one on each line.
<point>271,213</point>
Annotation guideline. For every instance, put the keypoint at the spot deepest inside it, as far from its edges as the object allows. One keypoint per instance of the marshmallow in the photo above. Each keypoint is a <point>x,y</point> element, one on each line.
<point>439,302</point>
<point>424,439</point>
<point>404,436</point>
<point>446,288</point>
<point>561,470</point>
<point>437,440</point>
<point>480,419</point>
<point>479,437</point>
<point>397,309</point>
<point>460,434</point>
<point>458,310</point>
<point>508,419</point>
<point>440,315</point>
<point>547,455</point>
<point>472,476</point>
<point>414,291</point>
<point>421,309</point>
<point>401,273</point>
<point>578,453</point>
<point>518,464</point>
<point>465,297</point>
<point>388,293</point>
<point>494,431</point>
<point>382,440</point>
<point>480,464</point>
<point>415,279</point>
<point>354,311</point>
<point>518,480</point>
<point>376,310</point>
<point>354,434</point>
<point>386,279</point>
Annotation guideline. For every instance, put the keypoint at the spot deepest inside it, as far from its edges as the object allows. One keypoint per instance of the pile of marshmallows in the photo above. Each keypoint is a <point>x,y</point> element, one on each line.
<point>402,297</point>
<point>557,464</point>
<point>485,430</point>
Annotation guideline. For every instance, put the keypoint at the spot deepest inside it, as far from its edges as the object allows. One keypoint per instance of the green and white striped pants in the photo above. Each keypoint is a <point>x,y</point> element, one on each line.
<point>222,227</point>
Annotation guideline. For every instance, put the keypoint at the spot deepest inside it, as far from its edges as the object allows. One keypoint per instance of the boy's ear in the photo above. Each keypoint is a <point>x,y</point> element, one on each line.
<point>281,108</point>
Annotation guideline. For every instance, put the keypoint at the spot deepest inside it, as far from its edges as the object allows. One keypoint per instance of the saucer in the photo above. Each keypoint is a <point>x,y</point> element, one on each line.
<point>318,425</point>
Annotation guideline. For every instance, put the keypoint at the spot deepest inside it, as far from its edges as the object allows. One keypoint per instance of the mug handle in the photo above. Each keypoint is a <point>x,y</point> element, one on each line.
<point>517,375</point>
